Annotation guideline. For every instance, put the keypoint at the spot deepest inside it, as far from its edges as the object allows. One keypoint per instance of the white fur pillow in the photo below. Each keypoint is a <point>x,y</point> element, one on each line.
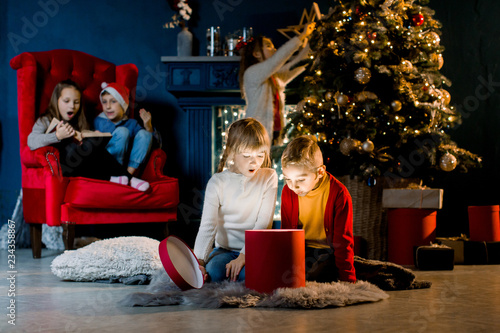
<point>109,258</point>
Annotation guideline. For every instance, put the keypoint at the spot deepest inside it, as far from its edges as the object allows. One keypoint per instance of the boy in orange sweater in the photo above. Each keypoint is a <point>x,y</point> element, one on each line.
<point>315,201</point>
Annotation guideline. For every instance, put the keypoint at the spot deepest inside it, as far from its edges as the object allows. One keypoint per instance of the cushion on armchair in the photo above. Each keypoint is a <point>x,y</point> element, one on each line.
<point>94,193</point>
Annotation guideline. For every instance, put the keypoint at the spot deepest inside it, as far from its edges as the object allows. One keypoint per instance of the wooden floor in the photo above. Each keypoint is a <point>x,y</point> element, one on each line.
<point>466,299</point>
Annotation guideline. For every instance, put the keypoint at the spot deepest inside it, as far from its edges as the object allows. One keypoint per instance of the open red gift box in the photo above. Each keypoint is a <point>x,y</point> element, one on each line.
<point>180,263</point>
<point>274,258</point>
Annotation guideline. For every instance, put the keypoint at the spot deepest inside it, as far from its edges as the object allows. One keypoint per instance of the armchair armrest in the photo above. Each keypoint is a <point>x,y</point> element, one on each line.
<point>37,158</point>
<point>44,157</point>
<point>55,184</point>
<point>154,168</point>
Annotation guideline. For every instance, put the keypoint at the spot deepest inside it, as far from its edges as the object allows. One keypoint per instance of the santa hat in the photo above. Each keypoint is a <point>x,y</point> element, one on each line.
<point>119,92</point>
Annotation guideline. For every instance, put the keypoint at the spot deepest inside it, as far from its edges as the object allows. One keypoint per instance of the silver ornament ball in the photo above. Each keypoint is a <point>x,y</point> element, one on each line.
<point>342,99</point>
<point>368,146</point>
<point>362,75</point>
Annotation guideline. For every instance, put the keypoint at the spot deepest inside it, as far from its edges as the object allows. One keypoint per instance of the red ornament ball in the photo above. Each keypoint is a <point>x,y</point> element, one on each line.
<point>371,35</point>
<point>417,19</point>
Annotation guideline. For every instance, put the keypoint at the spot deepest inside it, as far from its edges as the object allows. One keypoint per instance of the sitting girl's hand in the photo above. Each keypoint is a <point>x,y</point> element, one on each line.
<point>202,269</point>
<point>233,268</point>
<point>146,119</point>
<point>64,130</point>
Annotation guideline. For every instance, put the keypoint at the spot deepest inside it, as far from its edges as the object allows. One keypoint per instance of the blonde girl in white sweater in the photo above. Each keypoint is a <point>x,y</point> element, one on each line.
<point>264,74</point>
<point>240,196</point>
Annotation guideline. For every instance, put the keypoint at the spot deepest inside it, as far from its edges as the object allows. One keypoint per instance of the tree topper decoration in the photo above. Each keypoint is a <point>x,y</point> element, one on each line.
<point>307,17</point>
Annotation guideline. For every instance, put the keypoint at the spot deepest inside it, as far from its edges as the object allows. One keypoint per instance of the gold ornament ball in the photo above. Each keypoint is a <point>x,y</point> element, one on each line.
<point>406,66</point>
<point>446,96</point>
<point>437,60</point>
<point>342,99</point>
<point>362,75</point>
<point>432,38</point>
<point>440,61</point>
<point>396,105</point>
<point>346,145</point>
<point>368,146</point>
<point>328,95</point>
<point>448,162</point>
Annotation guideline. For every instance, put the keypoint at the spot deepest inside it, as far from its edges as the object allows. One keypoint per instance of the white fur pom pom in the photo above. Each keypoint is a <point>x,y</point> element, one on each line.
<point>104,85</point>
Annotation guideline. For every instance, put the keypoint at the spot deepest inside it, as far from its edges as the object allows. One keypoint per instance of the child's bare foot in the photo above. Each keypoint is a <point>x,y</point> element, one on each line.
<point>130,170</point>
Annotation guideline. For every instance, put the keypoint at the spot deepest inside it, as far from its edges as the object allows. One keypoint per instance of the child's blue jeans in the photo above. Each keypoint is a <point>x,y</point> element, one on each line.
<point>118,146</point>
<point>216,264</point>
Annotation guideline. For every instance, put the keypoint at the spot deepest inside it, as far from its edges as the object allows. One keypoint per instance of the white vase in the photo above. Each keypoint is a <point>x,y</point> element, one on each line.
<point>185,43</point>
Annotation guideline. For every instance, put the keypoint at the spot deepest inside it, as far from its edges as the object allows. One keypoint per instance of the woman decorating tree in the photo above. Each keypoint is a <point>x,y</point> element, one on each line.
<point>264,74</point>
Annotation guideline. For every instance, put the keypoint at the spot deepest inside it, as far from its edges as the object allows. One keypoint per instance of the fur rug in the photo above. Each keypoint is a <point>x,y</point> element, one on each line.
<point>162,291</point>
<point>109,259</point>
<point>387,275</point>
<point>128,259</point>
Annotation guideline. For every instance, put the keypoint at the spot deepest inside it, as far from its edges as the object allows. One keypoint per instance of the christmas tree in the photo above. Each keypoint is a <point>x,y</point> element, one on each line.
<point>374,96</point>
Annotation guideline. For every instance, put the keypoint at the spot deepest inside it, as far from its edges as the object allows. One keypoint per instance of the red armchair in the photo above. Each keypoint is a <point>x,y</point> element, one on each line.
<point>55,200</point>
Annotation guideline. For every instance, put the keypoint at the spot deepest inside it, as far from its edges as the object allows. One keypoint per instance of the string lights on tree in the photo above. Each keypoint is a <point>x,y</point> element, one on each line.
<point>374,96</point>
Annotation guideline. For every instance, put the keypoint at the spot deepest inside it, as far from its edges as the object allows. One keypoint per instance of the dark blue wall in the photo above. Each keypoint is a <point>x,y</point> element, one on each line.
<point>120,31</point>
<point>131,32</point>
<point>470,36</point>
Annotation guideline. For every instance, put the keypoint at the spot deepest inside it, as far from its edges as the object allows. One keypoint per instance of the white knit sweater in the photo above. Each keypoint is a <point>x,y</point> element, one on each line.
<point>235,203</point>
<point>257,87</point>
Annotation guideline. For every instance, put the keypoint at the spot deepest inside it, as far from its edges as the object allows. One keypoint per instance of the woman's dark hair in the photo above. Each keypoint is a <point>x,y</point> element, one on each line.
<point>248,59</point>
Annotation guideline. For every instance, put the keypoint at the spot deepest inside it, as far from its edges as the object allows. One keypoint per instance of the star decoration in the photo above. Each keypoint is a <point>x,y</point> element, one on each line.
<point>307,17</point>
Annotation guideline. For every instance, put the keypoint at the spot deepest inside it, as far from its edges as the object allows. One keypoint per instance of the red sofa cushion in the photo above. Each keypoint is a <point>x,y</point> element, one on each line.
<point>93,193</point>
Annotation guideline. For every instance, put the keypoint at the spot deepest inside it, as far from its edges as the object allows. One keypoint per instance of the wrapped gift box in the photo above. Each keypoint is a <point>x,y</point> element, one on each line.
<point>481,253</point>
<point>475,253</point>
<point>457,244</point>
<point>412,198</point>
<point>434,257</point>
<point>493,249</point>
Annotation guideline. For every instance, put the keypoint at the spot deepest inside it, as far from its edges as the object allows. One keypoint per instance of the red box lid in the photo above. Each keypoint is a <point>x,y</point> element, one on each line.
<point>180,263</point>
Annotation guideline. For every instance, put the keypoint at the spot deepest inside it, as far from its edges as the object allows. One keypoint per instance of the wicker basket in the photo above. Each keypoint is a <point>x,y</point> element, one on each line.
<point>368,218</point>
